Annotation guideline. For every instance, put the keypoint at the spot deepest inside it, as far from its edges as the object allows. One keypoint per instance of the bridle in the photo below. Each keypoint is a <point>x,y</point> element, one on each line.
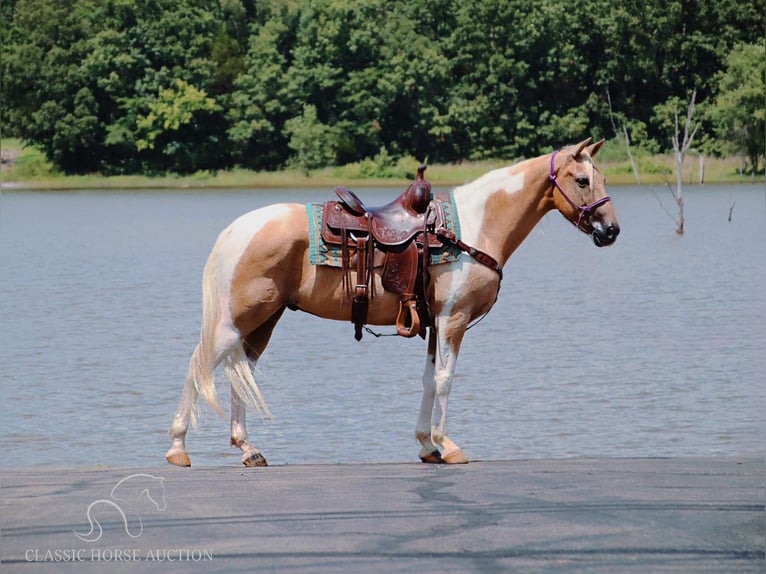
<point>585,210</point>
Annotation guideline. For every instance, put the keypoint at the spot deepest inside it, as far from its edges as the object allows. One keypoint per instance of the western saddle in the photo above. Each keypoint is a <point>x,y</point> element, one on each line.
<point>395,237</point>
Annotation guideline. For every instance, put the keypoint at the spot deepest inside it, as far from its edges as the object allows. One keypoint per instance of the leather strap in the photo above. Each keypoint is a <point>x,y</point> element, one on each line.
<point>485,259</point>
<point>361,300</point>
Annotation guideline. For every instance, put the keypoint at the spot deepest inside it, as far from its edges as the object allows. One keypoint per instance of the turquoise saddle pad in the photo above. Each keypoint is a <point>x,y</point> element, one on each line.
<point>323,254</point>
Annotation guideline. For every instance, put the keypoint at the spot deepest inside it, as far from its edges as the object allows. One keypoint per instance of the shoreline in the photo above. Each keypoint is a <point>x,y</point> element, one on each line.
<point>161,466</point>
<point>105,184</point>
<point>26,170</point>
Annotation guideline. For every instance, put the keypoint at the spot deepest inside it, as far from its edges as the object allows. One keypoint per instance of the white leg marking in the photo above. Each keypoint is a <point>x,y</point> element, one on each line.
<point>180,425</point>
<point>239,427</point>
<point>423,428</point>
<point>445,358</point>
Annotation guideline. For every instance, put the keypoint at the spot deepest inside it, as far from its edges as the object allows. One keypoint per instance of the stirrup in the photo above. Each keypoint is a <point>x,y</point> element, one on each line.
<point>408,309</point>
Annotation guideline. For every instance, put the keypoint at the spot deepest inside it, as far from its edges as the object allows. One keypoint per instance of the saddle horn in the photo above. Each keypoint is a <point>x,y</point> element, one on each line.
<point>420,196</point>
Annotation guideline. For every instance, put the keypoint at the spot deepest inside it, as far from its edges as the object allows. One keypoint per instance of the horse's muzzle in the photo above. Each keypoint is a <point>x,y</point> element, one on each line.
<point>605,235</point>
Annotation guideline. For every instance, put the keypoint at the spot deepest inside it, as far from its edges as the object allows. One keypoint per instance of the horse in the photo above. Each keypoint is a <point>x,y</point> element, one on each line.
<point>259,266</point>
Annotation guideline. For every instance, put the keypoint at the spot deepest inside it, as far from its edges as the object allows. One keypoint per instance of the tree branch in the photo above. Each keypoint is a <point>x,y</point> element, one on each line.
<point>662,205</point>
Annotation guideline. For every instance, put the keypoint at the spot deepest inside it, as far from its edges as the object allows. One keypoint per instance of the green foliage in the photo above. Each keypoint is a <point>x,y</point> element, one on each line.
<point>262,101</point>
<point>311,140</point>
<point>383,165</point>
<point>28,163</point>
<point>175,108</point>
<point>81,74</point>
<point>740,107</point>
<point>125,86</point>
<point>671,115</point>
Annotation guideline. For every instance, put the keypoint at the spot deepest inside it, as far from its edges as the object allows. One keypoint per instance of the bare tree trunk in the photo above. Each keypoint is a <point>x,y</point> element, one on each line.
<point>630,155</point>
<point>681,146</point>
<point>679,191</point>
<point>625,135</point>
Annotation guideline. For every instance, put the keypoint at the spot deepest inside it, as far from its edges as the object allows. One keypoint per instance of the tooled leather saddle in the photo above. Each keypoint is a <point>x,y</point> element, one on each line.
<point>395,237</point>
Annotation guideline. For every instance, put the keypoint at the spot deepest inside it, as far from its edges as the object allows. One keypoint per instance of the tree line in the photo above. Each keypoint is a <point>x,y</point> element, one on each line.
<point>150,86</point>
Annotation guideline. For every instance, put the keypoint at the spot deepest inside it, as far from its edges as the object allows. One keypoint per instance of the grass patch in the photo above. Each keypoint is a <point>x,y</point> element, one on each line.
<point>26,168</point>
<point>20,163</point>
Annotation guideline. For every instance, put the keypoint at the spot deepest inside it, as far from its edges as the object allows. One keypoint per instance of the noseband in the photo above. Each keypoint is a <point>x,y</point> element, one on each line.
<point>585,210</point>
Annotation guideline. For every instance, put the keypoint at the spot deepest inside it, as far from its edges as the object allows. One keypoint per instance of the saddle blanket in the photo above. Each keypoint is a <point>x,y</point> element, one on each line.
<point>322,254</point>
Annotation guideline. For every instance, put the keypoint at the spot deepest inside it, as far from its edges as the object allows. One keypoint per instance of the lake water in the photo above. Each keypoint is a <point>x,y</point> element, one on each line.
<point>652,347</point>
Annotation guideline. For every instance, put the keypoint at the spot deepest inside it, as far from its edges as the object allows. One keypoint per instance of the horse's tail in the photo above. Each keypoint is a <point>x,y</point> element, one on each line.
<point>241,371</point>
<point>221,344</point>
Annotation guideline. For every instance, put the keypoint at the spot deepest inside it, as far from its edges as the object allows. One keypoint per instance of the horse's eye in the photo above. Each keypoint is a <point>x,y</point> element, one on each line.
<point>582,181</point>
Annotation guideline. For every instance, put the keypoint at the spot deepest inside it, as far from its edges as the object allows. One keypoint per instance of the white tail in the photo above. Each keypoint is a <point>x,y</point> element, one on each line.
<point>221,344</point>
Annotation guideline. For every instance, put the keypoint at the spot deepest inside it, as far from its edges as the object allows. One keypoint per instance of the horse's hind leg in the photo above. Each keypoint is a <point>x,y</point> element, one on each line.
<point>251,456</point>
<point>201,372</point>
<point>255,344</point>
<point>177,454</point>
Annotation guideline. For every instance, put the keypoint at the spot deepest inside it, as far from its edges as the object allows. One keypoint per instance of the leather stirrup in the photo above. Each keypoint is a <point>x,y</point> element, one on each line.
<point>408,310</point>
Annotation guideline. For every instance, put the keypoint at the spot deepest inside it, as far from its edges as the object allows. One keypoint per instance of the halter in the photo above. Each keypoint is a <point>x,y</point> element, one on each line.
<point>585,210</point>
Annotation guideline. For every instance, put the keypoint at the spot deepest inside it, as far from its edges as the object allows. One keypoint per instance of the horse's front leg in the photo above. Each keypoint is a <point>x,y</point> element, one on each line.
<point>448,337</point>
<point>428,452</point>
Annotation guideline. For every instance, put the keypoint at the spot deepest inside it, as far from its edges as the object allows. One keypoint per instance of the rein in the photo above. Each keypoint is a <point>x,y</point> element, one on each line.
<point>585,210</point>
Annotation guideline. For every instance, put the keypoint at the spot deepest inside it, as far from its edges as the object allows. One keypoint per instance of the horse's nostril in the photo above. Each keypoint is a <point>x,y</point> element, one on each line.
<point>612,231</point>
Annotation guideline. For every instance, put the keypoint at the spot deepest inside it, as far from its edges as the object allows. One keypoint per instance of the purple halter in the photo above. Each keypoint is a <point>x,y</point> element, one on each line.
<point>585,210</point>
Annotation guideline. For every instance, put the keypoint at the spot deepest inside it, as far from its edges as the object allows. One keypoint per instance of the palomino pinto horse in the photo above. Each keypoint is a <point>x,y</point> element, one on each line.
<point>260,266</point>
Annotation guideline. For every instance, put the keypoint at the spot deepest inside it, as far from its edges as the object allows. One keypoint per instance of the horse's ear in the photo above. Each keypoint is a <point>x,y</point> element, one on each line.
<point>579,147</point>
<point>593,150</point>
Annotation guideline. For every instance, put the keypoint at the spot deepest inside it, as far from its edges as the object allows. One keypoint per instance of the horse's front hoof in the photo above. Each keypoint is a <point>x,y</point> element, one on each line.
<point>179,459</point>
<point>432,458</point>
<point>456,457</point>
<point>255,459</point>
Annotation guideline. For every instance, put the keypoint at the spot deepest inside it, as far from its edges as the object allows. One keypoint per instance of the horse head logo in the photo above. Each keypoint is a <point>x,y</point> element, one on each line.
<point>129,499</point>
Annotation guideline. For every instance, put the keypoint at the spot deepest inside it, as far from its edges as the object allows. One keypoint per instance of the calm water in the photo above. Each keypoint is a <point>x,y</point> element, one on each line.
<point>653,347</point>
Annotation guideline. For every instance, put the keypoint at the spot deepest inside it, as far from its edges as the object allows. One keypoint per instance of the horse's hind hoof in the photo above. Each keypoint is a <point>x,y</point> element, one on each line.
<point>255,459</point>
<point>179,459</point>
<point>433,458</point>
<point>456,457</point>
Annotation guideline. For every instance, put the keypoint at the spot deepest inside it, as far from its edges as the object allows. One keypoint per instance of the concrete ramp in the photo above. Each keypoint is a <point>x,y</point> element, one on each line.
<point>573,515</point>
